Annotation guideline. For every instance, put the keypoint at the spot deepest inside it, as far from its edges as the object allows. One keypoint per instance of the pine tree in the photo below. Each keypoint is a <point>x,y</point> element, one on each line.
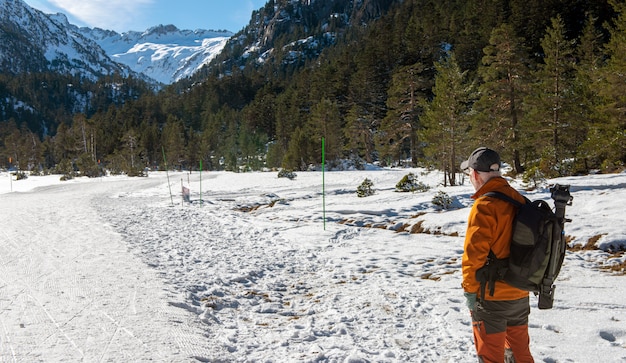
<point>66,144</point>
<point>552,103</point>
<point>505,76</point>
<point>10,139</point>
<point>591,151</point>
<point>325,123</point>
<point>23,148</point>
<point>359,133</point>
<point>229,145</point>
<point>131,151</point>
<point>287,118</point>
<point>446,118</point>
<point>610,134</point>
<point>252,147</point>
<point>85,131</point>
<point>297,152</point>
<point>211,137</point>
<point>173,141</point>
<point>397,135</point>
<point>150,142</point>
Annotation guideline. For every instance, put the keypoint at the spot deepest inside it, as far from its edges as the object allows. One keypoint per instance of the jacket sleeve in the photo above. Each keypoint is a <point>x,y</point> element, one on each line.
<point>478,239</point>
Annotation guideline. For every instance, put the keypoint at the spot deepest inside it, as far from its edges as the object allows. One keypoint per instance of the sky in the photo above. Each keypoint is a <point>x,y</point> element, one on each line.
<point>139,15</point>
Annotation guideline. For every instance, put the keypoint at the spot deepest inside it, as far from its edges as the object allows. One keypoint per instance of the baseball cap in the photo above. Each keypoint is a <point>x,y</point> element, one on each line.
<point>482,159</point>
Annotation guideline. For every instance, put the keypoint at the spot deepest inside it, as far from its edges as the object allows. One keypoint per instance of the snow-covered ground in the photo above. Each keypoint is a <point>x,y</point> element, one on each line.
<point>119,269</point>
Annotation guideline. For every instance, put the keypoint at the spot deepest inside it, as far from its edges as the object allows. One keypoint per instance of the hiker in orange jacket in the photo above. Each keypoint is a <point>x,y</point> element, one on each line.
<point>500,321</point>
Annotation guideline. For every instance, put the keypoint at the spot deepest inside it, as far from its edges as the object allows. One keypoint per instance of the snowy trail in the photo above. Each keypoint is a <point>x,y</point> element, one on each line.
<point>69,288</point>
<point>345,293</point>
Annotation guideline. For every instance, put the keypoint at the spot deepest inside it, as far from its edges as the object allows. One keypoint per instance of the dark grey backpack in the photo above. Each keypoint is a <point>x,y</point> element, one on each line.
<point>537,247</point>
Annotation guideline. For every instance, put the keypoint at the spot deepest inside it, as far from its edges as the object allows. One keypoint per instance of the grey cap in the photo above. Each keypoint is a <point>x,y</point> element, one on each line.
<point>482,159</point>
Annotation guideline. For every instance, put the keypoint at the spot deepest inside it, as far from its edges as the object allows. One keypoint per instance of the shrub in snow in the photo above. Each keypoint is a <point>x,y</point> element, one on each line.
<point>284,173</point>
<point>442,200</point>
<point>66,168</point>
<point>409,183</point>
<point>365,189</point>
<point>609,166</point>
<point>20,175</point>
<point>345,164</point>
<point>87,166</point>
<point>533,178</point>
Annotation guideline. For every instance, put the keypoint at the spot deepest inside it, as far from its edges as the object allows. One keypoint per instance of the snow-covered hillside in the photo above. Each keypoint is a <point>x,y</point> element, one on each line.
<point>35,42</point>
<point>120,269</point>
<point>163,53</point>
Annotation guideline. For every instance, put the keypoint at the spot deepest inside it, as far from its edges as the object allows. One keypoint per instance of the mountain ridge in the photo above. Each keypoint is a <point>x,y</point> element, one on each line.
<point>163,52</point>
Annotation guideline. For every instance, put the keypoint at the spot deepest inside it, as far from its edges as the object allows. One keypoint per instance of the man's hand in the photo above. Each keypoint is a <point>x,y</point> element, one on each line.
<point>470,300</point>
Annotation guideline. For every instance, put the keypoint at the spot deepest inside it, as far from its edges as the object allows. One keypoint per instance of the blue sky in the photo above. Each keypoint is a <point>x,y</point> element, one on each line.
<point>139,15</point>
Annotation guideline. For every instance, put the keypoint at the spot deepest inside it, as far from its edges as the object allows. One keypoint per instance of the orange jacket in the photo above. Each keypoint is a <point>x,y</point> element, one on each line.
<point>490,225</point>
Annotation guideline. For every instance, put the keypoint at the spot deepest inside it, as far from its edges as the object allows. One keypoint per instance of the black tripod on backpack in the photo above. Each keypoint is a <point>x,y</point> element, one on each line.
<point>562,198</point>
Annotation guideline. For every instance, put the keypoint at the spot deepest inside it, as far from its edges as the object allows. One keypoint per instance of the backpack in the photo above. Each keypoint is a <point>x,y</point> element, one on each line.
<point>537,247</point>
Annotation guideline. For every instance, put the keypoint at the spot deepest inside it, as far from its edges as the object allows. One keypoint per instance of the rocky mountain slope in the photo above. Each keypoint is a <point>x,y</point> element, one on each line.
<point>31,41</point>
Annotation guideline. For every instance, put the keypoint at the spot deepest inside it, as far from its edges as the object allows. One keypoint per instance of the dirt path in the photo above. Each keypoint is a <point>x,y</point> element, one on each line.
<point>70,290</point>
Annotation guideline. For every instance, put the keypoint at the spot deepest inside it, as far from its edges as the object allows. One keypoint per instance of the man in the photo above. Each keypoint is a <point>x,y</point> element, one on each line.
<point>500,320</point>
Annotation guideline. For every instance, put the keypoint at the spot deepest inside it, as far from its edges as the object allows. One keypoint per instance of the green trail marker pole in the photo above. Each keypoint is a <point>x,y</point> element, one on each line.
<point>200,182</point>
<point>323,183</point>
<point>10,175</point>
<point>168,175</point>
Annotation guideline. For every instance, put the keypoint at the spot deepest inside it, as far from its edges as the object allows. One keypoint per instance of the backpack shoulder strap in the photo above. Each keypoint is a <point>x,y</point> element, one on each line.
<point>504,197</point>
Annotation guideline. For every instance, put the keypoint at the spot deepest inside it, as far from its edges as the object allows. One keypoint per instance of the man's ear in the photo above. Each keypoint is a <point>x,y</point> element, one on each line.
<point>477,175</point>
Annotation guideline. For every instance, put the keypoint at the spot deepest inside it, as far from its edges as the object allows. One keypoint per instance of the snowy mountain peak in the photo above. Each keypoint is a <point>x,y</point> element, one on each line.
<point>164,52</point>
<point>162,29</point>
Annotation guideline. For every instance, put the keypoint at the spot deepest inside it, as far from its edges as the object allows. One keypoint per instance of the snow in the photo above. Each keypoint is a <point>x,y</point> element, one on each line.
<point>119,269</point>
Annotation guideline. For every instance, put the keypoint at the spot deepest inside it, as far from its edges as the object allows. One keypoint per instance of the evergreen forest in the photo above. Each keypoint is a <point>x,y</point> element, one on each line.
<point>541,81</point>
